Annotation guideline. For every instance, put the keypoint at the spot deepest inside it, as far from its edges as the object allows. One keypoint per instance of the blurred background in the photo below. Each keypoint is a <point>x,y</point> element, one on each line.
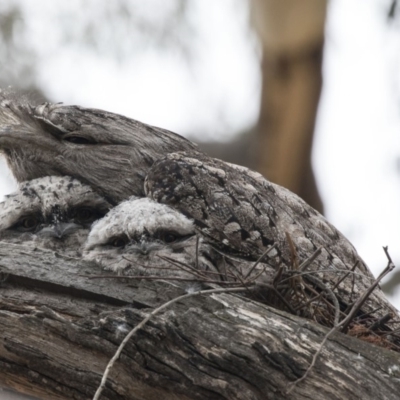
<point>307,93</point>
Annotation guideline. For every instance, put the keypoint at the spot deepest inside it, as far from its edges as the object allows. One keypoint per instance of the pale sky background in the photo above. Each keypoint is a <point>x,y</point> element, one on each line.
<point>216,94</point>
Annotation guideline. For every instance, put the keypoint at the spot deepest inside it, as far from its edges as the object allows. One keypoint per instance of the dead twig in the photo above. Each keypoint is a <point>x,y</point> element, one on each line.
<point>144,321</point>
<point>266,252</point>
<point>187,268</point>
<point>161,278</point>
<point>346,321</point>
<point>380,322</point>
<point>364,317</point>
<point>284,301</point>
<point>368,292</point>
<point>310,259</point>
<point>330,294</point>
<point>346,275</point>
<point>197,251</point>
<point>183,266</point>
<point>346,271</point>
<point>293,253</point>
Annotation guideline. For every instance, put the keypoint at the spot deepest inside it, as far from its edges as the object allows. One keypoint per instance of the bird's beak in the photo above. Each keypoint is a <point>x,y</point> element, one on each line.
<point>144,248</point>
<point>12,137</point>
<point>9,134</point>
<point>12,126</point>
<point>19,128</point>
<point>59,230</point>
<point>31,150</point>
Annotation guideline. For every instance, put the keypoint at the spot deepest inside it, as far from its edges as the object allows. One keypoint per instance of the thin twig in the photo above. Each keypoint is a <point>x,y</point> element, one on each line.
<point>144,321</point>
<point>346,271</point>
<point>197,251</point>
<point>259,260</point>
<point>346,320</point>
<point>310,259</point>
<point>147,267</point>
<point>314,359</point>
<point>179,267</point>
<point>331,295</point>
<point>320,298</point>
<point>309,301</point>
<point>368,292</point>
<point>162,278</point>
<point>255,277</point>
<point>273,288</point>
<point>346,275</point>
<point>380,322</point>
<point>278,274</point>
<point>353,282</point>
<point>182,266</point>
<point>293,252</point>
<point>364,317</point>
<point>225,270</point>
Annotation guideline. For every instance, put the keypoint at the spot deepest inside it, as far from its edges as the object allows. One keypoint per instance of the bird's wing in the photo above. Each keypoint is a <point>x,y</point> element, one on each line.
<point>223,202</point>
<point>234,206</point>
<point>241,213</point>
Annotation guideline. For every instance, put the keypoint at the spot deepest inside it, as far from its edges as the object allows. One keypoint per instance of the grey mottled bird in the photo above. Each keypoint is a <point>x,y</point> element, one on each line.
<point>238,212</point>
<point>51,212</point>
<point>235,210</point>
<point>108,151</point>
<point>134,237</point>
<point>144,238</point>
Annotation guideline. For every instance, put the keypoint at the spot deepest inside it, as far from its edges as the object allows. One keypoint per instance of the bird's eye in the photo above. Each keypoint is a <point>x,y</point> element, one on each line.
<point>85,214</point>
<point>168,237</point>
<point>118,242</point>
<point>28,224</point>
<point>78,139</point>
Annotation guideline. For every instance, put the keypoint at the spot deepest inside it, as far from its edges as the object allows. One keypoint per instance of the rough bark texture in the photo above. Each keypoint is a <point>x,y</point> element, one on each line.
<point>59,329</point>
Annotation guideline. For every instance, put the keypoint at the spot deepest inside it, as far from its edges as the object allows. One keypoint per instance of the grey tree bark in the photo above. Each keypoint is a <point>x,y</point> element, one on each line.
<point>59,329</point>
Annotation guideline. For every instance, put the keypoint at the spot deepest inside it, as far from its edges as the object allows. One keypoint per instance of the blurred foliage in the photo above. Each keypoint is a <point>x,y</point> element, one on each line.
<point>115,29</point>
<point>17,60</point>
<point>107,25</point>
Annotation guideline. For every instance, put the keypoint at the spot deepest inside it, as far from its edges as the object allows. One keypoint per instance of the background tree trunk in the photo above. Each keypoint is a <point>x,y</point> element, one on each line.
<point>292,37</point>
<point>60,328</point>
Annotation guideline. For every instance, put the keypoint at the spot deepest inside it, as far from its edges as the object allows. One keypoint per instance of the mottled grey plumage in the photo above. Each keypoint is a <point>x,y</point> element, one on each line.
<point>241,213</point>
<point>51,212</point>
<point>141,237</point>
<point>108,151</point>
<point>235,210</point>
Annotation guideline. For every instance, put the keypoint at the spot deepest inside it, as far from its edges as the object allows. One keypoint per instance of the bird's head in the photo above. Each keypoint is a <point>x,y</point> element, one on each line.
<point>109,152</point>
<point>51,212</point>
<point>142,237</point>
